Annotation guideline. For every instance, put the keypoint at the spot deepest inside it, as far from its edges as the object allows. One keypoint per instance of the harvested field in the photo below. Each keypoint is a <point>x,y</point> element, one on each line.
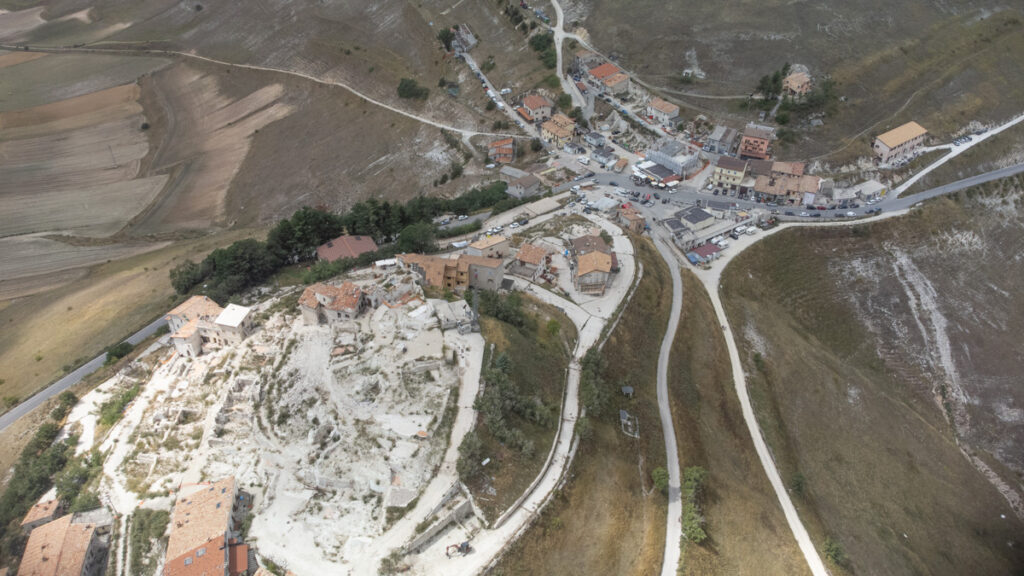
<point>32,263</point>
<point>203,139</point>
<point>45,332</point>
<point>64,76</point>
<point>14,58</point>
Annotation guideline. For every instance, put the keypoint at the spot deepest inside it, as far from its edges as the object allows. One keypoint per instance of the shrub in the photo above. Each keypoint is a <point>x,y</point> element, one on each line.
<point>409,88</point>
<point>660,478</point>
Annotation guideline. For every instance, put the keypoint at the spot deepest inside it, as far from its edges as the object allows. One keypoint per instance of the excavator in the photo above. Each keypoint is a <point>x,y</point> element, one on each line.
<point>459,549</point>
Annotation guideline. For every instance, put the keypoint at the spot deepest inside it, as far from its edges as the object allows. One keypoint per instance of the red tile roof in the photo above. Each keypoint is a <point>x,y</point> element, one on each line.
<point>345,247</point>
<point>209,558</point>
<point>200,516</point>
<point>41,511</point>
<point>344,297</point>
<point>604,70</point>
<point>535,101</point>
<point>57,548</point>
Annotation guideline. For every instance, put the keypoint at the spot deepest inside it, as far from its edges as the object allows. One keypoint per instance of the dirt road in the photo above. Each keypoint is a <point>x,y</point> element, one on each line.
<point>319,80</point>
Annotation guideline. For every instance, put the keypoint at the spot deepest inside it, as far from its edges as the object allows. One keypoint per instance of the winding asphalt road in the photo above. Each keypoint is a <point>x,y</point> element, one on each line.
<point>74,377</point>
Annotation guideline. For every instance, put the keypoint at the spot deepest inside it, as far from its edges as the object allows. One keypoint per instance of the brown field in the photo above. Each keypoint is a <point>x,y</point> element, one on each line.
<point>33,263</point>
<point>44,333</point>
<point>13,58</point>
<point>747,532</point>
<point>842,334</point>
<point>608,518</point>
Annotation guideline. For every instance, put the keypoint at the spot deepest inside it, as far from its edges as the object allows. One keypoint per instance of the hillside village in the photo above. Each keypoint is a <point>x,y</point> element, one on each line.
<point>311,403</point>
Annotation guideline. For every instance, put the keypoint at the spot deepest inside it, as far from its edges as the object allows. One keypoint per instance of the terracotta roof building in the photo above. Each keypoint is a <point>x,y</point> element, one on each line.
<point>899,142</point>
<point>495,246</point>
<point>589,243</point>
<point>502,151</point>
<point>63,547</point>
<point>593,270</point>
<point>559,129</point>
<point>755,142</point>
<point>616,83</point>
<point>537,107</point>
<point>797,84</point>
<point>40,513</point>
<point>599,73</point>
<point>345,247</point>
<point>463,271</point>
<point>662,111</point>
<point>200,323</point>
<point>529,261</point>
<point>323,303</point>
<point>218,556</point>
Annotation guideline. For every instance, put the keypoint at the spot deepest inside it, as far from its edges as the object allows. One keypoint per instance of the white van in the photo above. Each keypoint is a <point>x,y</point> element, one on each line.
<point>583,160</point>
<point>740,229</point>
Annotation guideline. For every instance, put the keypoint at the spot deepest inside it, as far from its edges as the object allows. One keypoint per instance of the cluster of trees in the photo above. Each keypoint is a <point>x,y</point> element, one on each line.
<point>694,485</point>
<point>65,402</point>
<point>118,351</point>
<point>446,36</point>
<point>41,458</point>
<point>544,45</point>
<point>502,399</point>
<point>398,227</point>
<point>770,85</point>
<point>410,88</point>
<point>508,309</point>
<point>595,392</point>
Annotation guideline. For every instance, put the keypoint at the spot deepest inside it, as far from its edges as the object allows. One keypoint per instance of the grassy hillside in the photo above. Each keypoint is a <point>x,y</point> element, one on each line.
<point>747,533</point>
<point>539,359</point>
<point>609,496</point>
<point>863,346</point>
<point>942,64</point>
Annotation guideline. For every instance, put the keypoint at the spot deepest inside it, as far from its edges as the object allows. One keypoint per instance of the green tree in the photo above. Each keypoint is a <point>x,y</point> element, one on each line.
<point>490,105</point>
<point>470,452</point>
<point>446,36</point>
<point>536,145</point>
<point>185,276</point>
<point>782,118</point>
<point>693,525</point>
<point>660,478</point>
<point>564,102</point>
<point>419,237</point>
<point>409,88</point>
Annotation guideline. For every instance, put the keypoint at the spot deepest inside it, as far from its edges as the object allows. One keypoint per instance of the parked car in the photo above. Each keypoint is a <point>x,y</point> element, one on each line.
<point>816,215</point>
<point>789,213</point>
<point>657,196</point>
<point>804,214</point>
<point>851,214</point>
<point>463,217</point>
<point>664,201</point>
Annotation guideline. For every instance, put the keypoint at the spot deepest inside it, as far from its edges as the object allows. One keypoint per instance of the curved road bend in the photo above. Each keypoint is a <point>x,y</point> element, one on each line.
<point>310,77</point>
<point>72,378</point>
<point>674,525</point>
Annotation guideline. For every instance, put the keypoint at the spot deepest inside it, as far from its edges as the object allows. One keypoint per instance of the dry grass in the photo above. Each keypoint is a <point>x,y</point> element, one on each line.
<point>45,333</point>
<point>942,64</point>
<point>608,519</point>
<point>747,532</point>
<point>539,361</point>
<point>844,396</point>
<point>1004,149</point>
